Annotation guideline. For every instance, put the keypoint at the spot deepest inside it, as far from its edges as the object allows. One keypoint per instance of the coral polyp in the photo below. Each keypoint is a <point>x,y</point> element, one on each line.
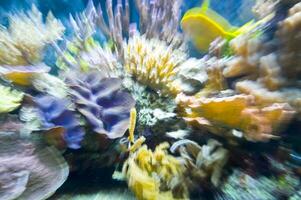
<point>153,63</point>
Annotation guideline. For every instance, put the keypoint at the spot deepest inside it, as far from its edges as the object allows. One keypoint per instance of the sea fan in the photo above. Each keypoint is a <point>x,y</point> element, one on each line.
<point>55,114</point>
<point>102,102</point>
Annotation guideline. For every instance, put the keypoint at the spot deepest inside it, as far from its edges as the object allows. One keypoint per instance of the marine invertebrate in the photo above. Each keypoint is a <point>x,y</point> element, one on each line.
<point>28,169</point>
<point>22,43</point>
<point>202,162</point>
<point>159,19</point>
<point>62,122</point>
<point>192,75</point>
<point>153,63</point>
<point>236,112</point>
<point>10,99</point>
<point>102,102</point>
<point>22,75</point>
<point>154,175</point>
<point>240,185</point>
<point>49,84</point>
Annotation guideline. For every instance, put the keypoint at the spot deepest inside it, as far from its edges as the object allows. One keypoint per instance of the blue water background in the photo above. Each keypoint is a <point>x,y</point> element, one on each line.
<point>236,11</point>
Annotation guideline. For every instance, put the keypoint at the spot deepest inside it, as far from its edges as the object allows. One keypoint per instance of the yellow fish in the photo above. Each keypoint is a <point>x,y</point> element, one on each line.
<point>204,25</point>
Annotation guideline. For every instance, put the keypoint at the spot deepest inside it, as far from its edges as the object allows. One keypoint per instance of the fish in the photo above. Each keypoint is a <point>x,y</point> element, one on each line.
<point>203,25</point>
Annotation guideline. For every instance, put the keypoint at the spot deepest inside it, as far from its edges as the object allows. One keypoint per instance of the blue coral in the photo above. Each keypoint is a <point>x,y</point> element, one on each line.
<point>103,103</point>
<point>54,113</point>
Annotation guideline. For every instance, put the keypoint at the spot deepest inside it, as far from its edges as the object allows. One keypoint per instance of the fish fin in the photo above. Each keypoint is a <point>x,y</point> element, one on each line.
<point>218,19</point>
<point>252,25</point>
<point>205,5</point>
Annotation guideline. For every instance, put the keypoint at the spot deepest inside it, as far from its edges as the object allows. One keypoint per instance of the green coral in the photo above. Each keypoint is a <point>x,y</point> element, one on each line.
<point>10,99</point>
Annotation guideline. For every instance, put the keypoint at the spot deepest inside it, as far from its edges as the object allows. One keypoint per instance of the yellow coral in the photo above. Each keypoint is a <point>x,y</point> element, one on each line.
<point>154,175</point>
<point>236,112</point>
<point>23,41</point>
<point>153,63</point>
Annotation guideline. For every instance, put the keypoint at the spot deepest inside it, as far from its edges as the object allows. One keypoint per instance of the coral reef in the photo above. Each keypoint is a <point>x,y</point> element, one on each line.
<point>130,101</point>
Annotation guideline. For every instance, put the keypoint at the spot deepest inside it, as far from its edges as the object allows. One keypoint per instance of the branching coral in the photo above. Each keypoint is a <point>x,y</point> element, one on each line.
<point>27,35</point>
<point>102,102</point>
<point>10,99</point>
<point>155,175</point>
<point>61,121</point>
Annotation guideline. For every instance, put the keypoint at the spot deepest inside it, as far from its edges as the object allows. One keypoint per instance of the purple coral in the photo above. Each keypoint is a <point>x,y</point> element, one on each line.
<point>54,113</point>
<point>102,102</point>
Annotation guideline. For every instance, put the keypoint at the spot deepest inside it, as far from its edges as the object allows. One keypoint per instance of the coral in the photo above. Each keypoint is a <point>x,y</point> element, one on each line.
<point>192,75</point>
<point>28,169</point>
<point>22,75</point>
<point>51,85</point>
<point>287,33</point>
<point>153,63</point>
<point>247,53</point>
<point>27,35</point>
<point>102,102</point>
<point>10,99</point>
<point>30,117</point>
<point>264,7</point>
<point>89,55</point>
<point>159,19</point>
<point>236,112</point>
<point>202,162</point>
<point>155,113</point>
<point>10,124</point>
<point>242,186</point>
<point>154,175</point>
<point>59,120</point>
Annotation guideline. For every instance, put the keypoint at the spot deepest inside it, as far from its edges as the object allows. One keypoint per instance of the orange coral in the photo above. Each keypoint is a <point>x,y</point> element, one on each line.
<point>236,112</point>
